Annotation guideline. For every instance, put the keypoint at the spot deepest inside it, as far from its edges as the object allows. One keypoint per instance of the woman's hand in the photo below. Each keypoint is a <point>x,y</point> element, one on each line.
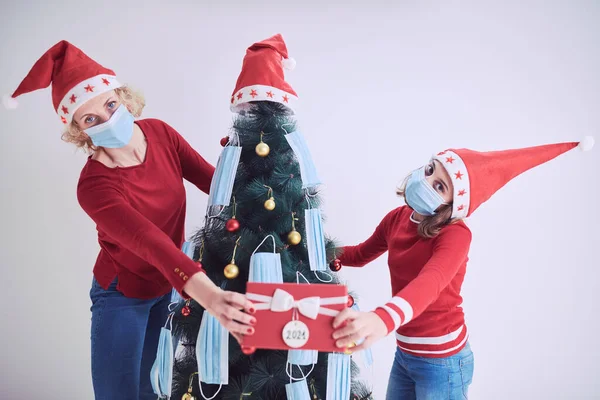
<point>224,305</point>
<point>352,326</point>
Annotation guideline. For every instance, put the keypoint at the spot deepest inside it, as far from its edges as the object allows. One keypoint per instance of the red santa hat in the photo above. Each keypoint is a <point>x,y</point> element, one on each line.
<point>262,77</point>
<point>476,176</point>
<point>75,79</point>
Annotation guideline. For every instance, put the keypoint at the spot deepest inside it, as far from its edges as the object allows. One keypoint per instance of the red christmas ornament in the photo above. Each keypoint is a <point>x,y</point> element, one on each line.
<point>335,265</point>
<point>247,350</point>
<point>224,141</point>
<point>232,225</point>
<point>350,302</point>
<point>186,311</point>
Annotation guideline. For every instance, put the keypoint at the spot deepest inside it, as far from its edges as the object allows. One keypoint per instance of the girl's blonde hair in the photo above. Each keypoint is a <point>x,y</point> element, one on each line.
<point>431,226</point>
<point>133,100</point>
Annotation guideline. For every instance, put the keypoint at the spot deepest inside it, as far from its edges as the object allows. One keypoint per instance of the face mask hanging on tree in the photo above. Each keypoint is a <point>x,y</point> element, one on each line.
<point>308,171</point>
<point>315,242</point>
<point>161,374</point>
<point>212,352</point>
<point>188,249</point>
<point>265,267</point>
<point>338,376</point>
<point>221,186</point>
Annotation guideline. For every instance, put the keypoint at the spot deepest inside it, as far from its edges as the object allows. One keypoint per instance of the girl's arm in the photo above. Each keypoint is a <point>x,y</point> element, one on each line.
<point>370,249</point>
<point>450,252</point>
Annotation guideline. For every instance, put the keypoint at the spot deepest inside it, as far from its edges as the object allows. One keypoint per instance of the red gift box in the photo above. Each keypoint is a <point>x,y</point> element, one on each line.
<point>313,306</point>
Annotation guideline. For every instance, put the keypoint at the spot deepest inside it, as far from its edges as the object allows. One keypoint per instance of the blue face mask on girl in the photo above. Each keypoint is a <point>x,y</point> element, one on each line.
<point>114,133</point>
<point>420,195</point>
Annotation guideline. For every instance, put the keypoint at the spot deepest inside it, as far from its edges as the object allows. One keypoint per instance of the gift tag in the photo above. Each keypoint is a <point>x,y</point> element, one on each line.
<point>295,334</point>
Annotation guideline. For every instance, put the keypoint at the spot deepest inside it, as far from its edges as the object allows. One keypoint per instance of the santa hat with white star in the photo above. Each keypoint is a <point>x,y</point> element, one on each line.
<point>262,77</point>
<point>476,176</point>
<point>75,79</point>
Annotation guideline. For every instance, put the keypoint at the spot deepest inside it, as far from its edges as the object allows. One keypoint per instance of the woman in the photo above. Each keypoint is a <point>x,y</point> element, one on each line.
<point>428,248</point>
<point>132,187</point>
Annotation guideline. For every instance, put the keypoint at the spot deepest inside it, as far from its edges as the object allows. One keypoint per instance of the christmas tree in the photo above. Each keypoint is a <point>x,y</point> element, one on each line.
<point>268,198</point>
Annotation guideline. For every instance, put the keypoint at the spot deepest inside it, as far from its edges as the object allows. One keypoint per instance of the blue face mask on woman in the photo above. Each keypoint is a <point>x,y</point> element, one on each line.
<point>114,133</point>
<point>420,195</point>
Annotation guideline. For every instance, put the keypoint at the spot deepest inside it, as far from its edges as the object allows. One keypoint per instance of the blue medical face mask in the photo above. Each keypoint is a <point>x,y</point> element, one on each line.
<point>303,357</point>
<point>161,374</point>
<point>212,351</point>
<point>114,133</point>
<point>315,241</point>
<point>338,376</point>
<point>265,267</point>
<point>222,182</point>
<point>297,390</point>
<point>420,195</point>
<point>187,248</point>
<point>308,172</point>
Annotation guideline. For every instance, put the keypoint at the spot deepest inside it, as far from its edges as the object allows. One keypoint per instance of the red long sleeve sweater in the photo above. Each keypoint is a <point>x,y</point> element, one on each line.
<point>426,275</point>
<point>140,213</point>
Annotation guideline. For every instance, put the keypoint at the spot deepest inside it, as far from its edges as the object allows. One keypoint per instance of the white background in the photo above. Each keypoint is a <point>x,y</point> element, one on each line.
<point>382,87</point>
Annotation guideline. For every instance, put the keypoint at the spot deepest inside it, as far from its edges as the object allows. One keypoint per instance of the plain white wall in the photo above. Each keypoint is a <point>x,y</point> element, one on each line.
<point>383,87</point>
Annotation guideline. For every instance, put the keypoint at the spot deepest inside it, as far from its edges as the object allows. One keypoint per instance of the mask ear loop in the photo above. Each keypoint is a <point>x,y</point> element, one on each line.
<point>213,396</point>
<point>170,321</point>
<point>298,275</point>
<point>285,130</point>
<point>290,373</point>
<point>261,243</point>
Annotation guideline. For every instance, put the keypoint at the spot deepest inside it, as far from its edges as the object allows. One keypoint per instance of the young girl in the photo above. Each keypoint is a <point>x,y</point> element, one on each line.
<point>132,188</point>
<point>428,248</point>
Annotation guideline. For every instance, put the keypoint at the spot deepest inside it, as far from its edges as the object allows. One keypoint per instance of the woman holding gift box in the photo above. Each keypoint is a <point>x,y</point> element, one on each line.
<point>132,187</point>
<point>428,248</point>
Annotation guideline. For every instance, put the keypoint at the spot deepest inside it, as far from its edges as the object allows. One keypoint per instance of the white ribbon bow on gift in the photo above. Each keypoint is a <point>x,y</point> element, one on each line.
<point>310,307</point>
<point>283,301</point>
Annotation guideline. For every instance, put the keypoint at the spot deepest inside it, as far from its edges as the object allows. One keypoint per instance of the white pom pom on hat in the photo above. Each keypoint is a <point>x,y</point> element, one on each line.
<point>9,102</point>
<point>289,63</point>
<point>587,143</point>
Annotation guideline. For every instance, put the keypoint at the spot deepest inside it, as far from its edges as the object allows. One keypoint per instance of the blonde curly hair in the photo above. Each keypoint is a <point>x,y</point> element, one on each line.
<point>133,100</point>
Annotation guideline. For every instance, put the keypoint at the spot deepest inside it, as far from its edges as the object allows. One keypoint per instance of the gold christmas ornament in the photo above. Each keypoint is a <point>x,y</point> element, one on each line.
<point>188,395</point>
<point>270,204</point>
<point>294,238</point>
<point>231,271</point>
<point>262,149</point>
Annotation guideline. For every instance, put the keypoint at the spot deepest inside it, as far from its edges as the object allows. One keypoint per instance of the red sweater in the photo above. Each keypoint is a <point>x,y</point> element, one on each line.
<point>140,213</point>
<point>427,275</point>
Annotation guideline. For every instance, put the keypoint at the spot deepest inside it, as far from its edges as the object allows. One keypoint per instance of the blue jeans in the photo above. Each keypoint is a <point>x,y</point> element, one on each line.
<point>124,338</point>
<point>423,378</point>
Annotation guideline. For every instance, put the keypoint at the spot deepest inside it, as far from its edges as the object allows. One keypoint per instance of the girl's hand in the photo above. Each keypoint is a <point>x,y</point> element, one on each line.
<point>352,326</point>
<point>224,305</point>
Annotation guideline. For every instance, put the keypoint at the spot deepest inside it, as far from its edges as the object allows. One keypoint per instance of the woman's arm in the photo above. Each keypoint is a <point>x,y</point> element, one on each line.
<point>370,249</point>
<point>450,252</point>
<point>104,201</point>
<point>194,167</point>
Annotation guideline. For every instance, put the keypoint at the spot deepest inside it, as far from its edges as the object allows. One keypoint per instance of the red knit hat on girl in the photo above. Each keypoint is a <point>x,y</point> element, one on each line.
<point>262,76</point>
<point>476,176</point>
<point>74,76</point>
